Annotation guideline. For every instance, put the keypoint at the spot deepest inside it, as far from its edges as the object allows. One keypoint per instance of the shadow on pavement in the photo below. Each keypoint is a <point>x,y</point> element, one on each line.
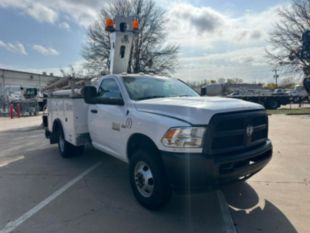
<point>112,196</point>
<point>252,214</point>
<point>106,190</point>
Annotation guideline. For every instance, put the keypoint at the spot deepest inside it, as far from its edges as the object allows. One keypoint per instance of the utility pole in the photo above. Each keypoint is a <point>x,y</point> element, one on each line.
<point>276,76</point>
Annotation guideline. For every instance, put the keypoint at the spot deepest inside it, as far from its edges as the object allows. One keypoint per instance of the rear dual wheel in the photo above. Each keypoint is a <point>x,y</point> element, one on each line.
<point>296,100</point>
<point>273,104</point>
<point>66,149</point>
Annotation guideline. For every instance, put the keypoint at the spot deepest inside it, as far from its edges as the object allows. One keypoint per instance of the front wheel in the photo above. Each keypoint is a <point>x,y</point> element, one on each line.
<point>296,100</point>
<point>148,180</point>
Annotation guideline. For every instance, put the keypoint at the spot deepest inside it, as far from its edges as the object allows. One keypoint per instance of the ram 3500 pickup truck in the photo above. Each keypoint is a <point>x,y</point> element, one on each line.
<point>172,138</point>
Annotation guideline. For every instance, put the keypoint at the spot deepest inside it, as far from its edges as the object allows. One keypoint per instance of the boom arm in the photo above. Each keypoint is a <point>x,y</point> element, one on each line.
<point>122,30</point>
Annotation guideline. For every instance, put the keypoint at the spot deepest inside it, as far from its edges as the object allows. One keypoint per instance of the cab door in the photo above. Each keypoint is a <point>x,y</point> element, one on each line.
<point>106,120</point>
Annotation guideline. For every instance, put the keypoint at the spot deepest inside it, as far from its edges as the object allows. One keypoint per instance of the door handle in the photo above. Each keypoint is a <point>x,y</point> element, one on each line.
<point>94,111</point>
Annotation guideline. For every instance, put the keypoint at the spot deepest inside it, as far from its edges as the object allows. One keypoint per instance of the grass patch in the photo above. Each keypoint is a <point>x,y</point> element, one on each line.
<point>293,111</point>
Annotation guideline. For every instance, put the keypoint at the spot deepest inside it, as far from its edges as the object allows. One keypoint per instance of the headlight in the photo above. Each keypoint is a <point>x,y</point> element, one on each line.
<point>184,137</point>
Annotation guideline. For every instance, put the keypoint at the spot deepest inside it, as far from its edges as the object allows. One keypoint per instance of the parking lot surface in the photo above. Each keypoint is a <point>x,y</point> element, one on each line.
<point>41,192</point>
<point>277,199</point>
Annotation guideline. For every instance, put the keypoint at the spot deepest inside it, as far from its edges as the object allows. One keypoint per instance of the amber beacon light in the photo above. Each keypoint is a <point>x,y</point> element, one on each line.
<point>135,25</point>
<point>109,25</point>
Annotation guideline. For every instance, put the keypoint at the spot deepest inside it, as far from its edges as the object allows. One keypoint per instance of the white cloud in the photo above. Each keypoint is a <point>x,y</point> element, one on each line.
<point>82,12</point>
<point>45,50</point>
<point>202,19</point>
<point>13,47</point>
<point>79,11</point>
<point>39,11</point>
<point>65,26</point>
<point>203,26</point>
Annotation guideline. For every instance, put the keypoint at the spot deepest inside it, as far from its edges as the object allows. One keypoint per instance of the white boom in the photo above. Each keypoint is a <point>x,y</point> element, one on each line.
<point>121,36</point>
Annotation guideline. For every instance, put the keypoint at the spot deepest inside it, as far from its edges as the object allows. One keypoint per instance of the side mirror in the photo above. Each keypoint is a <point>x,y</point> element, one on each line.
<point>307,85</point>
<point>89,94</point>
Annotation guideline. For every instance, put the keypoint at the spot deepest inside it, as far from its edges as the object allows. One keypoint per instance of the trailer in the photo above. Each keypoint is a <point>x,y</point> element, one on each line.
<point>261,96</point>
<point>269,102</point>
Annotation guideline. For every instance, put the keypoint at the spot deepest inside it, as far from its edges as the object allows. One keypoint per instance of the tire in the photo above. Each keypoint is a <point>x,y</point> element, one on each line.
<point>273,104</point>
<point>66,149</point>
<point>296,99</point>
<point>148,180</point>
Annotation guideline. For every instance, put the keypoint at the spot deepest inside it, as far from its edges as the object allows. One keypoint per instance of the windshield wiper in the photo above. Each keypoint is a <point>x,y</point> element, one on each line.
<point>151,97</point>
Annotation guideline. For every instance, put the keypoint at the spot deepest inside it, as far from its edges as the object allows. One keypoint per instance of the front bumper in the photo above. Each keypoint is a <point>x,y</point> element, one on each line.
<point>198,172</point>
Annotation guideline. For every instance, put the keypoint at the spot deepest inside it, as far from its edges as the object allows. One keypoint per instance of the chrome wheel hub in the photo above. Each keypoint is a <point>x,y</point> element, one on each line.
<point>144,179</point>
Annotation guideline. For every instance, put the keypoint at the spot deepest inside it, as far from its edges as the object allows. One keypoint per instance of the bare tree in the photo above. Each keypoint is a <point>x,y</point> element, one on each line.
<point>234,81</point>
<point>68,74</point>
<point>288,82</point>
<point>286,39</point>
<point>150,53</point>
<point>73,73</point>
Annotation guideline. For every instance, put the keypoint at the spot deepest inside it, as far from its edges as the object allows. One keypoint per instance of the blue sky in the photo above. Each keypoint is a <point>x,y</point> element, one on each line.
<point>218,39</point>
<point>21,28</point>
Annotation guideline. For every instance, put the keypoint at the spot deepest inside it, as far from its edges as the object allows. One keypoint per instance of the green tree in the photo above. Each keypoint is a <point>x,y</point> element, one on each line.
<point>234,81</point>
<point>270,86</point>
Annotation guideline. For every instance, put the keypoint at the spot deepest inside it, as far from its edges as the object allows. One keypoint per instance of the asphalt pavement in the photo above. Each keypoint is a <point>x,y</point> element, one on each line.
<point>42,192</point>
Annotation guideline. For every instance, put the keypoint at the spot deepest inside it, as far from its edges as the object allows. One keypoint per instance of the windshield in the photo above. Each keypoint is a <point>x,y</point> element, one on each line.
<point>141,88</point>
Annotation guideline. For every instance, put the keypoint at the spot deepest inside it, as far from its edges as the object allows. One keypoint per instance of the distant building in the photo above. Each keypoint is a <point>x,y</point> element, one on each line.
<point>15,78</point>
<point>244,85</point>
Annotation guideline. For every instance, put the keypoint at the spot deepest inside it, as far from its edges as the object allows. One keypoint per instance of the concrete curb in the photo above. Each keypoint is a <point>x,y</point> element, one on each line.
<point>228,221</point>
<point>297,114</point>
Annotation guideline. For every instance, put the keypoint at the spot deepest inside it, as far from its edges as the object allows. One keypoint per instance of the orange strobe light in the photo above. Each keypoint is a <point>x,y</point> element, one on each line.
<point>135,25</point>
<point>109,24</point>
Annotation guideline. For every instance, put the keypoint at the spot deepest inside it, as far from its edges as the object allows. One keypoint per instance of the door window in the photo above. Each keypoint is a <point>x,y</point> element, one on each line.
<point>109,89</point>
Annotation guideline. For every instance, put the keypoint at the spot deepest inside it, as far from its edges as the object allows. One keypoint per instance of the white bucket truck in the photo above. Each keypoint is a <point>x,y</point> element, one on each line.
<point>172,138</point>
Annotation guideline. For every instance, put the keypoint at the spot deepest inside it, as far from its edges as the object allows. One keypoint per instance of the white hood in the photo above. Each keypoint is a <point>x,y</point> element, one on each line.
<point>195,110</point>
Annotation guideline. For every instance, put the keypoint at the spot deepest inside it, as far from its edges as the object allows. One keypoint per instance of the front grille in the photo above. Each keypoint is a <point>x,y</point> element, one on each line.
<point>233,132</point>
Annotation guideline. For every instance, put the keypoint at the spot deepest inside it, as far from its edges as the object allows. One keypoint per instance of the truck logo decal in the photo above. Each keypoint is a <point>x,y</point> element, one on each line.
<point>249,131</point>
<point>116,126</point>
<point>127,124</point>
